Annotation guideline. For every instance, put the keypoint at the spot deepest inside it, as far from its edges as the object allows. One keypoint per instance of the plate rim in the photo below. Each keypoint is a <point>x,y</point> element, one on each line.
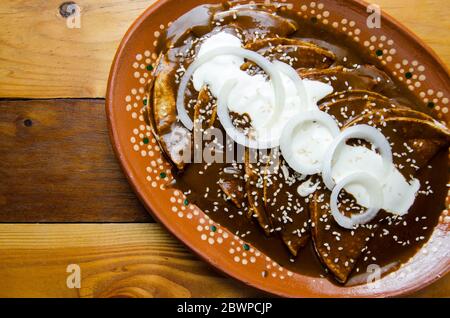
<point>126,168</point>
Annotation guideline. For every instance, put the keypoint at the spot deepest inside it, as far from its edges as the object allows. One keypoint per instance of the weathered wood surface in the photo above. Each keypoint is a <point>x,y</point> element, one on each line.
<point>42,58</point>
<point>116,260</point>
<point>57,165</point>
<point>122,260</point>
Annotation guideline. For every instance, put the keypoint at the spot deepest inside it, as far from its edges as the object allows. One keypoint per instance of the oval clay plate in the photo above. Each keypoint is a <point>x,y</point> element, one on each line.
<point>404,57</point>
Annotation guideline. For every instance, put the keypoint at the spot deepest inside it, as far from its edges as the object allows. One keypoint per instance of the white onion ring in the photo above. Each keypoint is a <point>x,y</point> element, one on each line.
<point>372,186</point>
<point>260,60</point>
<point>365,132</point>
<point>292,74</point>
<point>225,14</point>
<point>286,139</point>
<point>233,132</point>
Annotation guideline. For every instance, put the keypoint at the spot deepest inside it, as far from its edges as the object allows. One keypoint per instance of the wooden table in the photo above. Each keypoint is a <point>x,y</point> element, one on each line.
<point>63,198</point>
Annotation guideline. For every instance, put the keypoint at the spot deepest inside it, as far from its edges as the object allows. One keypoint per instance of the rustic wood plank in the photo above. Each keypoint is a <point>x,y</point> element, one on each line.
<point>42,58</point>
<point>428,19</point>
<point>115,260</point>
<point>131,260</point>
<point>57,165</point>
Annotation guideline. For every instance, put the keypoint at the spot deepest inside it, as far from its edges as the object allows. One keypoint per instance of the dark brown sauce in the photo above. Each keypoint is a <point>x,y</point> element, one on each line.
<point>201,186</point>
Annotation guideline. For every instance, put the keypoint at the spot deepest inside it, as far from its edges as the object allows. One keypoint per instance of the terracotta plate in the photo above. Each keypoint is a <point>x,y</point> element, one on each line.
<point>405,57</point>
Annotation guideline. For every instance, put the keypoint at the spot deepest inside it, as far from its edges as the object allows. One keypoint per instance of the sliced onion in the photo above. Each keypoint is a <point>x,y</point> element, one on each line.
<point>260,60</point>
<point>373,187</point>
<point>286,139</point>
<point>225,14</point>
<point>364,132</point>
<point>233,132</point>
<point>292,74</point>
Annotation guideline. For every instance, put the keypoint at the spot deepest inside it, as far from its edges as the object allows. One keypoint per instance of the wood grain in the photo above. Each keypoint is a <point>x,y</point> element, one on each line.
<point>42,58</point>
<point>61,167</point>
<point>428,19</point>
<point>116,260</point>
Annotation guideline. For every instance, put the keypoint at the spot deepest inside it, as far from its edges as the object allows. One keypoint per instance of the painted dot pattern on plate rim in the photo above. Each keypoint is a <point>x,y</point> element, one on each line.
<point>158,170</point>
